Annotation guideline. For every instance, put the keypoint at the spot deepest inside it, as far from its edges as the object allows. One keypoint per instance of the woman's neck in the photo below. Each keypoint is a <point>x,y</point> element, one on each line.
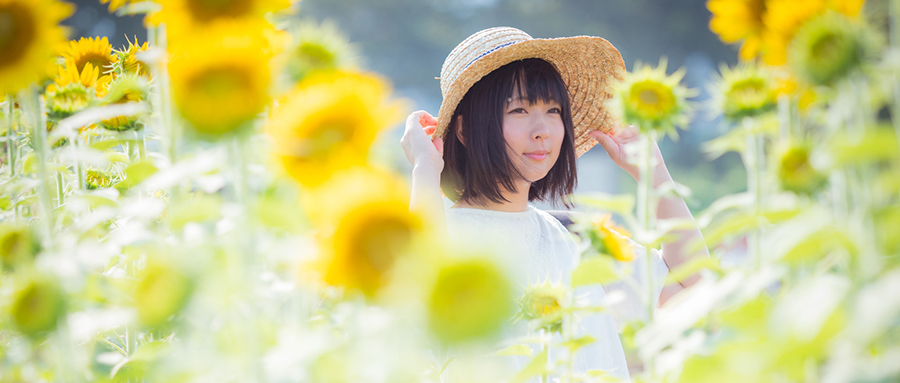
<point>518,200</point>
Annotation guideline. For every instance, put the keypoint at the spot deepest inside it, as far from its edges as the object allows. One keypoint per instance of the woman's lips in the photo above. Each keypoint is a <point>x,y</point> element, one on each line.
<point>538,155</point>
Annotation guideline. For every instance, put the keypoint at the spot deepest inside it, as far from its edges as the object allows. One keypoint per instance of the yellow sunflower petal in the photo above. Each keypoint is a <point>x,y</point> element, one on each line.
<point>30,37</point>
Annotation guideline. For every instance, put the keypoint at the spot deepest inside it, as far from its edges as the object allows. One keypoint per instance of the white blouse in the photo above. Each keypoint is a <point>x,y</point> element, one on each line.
<point>534,247</point>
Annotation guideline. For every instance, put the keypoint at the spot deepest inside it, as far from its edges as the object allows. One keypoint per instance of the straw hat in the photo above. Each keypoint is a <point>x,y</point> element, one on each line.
<point>588,65</point>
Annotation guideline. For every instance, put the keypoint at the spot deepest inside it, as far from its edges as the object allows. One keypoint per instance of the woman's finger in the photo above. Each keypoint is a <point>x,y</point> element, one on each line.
<point>429,130</point>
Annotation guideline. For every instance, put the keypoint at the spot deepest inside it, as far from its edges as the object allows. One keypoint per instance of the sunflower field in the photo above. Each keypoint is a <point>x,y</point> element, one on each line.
<point>210,206</point>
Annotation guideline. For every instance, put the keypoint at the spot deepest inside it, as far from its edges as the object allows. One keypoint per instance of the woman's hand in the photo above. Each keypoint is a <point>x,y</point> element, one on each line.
<point>420,149</point>
<point>615,143</point>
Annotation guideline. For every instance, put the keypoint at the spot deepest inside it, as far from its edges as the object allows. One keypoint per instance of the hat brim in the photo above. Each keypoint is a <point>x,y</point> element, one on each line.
<point>588,65</point>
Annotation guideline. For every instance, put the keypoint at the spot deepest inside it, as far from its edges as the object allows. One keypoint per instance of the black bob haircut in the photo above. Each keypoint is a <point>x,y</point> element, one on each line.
<point>475,170</point>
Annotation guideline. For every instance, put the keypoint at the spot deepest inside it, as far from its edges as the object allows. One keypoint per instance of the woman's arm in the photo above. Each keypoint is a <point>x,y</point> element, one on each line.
<point>674,253</point>
<point>426,156</point>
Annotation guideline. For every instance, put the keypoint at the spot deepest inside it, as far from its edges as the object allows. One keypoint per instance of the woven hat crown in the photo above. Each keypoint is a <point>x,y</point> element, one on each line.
<point>475,47</point>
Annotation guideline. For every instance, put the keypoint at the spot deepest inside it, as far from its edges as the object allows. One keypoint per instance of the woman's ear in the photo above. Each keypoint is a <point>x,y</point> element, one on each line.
<point>458,128</point>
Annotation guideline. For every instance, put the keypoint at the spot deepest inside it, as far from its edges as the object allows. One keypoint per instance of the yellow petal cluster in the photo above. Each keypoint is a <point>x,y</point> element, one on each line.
<point>366,227</point>
<point>90,50</point>
<point>543,303</point>
<point>652,100</point>
<point>30,38</point>
<point>221,83</point>
<point>328,123</point>
<point>608,238</point>
<point>186,17</point>
<point>73,91</point>
<point>766,27</point>
<point>469,300</point>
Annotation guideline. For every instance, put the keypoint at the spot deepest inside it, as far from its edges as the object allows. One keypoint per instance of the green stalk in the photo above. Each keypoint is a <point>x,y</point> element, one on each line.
<point>645,211</point>
<point>162,98</point>
<point>895,44</point>
<point>752,162</point>
<point>79,168</point>
<point>12,142</point>
<point>60,188</point>
<point>785,128</point>
<point>39,142</point>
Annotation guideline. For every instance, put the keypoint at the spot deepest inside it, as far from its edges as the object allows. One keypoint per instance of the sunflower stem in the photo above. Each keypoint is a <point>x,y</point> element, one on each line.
<point>752,162</point>
<point>895,44</point>
<point>785,126</point>
<point>12,142</point>
<point>39,142</point>
<point>645,211</point>
<point>162,98</point>
<point>60,189</point>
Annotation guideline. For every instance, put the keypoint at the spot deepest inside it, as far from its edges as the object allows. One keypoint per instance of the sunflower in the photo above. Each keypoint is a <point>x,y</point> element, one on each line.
<point>128,87</point>
<point>747,90</point>
<point>785,17</point>
<point>367,242</point>
<point>470,299</point>
<point>829,48</point>
<point>543,302</point>
<point>318,47</point>
<point>126,61</point>
<point>218,86</point>
<point>37,307</point>
<point>651,100</point>
<point>90,50</point>
<point>97,179</point>
<point>735,20</point>
<point>73,91</point>
<point>794,170</point>
<point>162,291</point>
<point>608,238</point>
<point>183,17</point>
<point>30,37</point>
<point>116,4</point>
<point>328,123</point>
<point>18,245</point>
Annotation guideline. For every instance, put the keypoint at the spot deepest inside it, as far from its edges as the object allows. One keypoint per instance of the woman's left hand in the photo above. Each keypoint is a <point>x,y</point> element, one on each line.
<point>615,143</point>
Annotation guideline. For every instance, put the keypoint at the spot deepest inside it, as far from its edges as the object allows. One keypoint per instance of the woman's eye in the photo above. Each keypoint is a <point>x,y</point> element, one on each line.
<point>517,110</point>
<point>555,110</point>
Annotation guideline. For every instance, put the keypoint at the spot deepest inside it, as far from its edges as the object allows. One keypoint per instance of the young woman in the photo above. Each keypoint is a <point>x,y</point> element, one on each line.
<point>516,114</point>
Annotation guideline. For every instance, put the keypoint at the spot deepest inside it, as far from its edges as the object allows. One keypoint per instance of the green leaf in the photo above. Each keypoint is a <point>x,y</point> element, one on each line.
<point>876,145</point>
<point>575,344</point>
<point>96,201</point>
<point>733,141</point>
<point>593,270</point>
<point>622,204</point>
<point>538,366</point>
<point>5,203</point>
<point>200,208</point>
<point>107,144</point>
<point>692,267</point>
<point>516,350</point>
<point>820,243</point>
<point>137,173</point>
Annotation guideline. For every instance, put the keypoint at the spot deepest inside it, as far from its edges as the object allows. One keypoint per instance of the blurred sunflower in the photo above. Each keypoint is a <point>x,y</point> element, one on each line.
<point>651,100</point>
<point>90,50</point>
<point>125,88</point>
<point>97,179</point>
<point>470,299</point>
<point>38,305</point>
<point>73,91</point>
<point>804,94</point>
<point>747,90</point>
<point>829,48</point>
<point>30,37</point>
<point>608,238</point>
<point>543,302</point>
<point>794,170</point>
<point>367,242</point>
<point>183,17</point>
<point>735,20</point>
<point>785,17</point>
<point>328,123</point>
<point>219,86</point>
<point>318,47</point>
<point>162,290</point>
<point>126,61</point>
<point>18,245</point>
<point>116,4</point>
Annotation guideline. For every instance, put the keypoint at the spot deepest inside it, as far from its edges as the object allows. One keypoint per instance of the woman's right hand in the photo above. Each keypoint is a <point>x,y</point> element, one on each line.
<point>420,149</point>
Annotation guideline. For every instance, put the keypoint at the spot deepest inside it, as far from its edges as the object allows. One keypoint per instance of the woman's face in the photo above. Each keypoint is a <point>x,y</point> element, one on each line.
<point>534,134</point>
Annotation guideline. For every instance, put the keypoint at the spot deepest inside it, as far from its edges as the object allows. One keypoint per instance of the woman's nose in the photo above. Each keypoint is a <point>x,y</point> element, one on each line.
<point>541,130</point>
